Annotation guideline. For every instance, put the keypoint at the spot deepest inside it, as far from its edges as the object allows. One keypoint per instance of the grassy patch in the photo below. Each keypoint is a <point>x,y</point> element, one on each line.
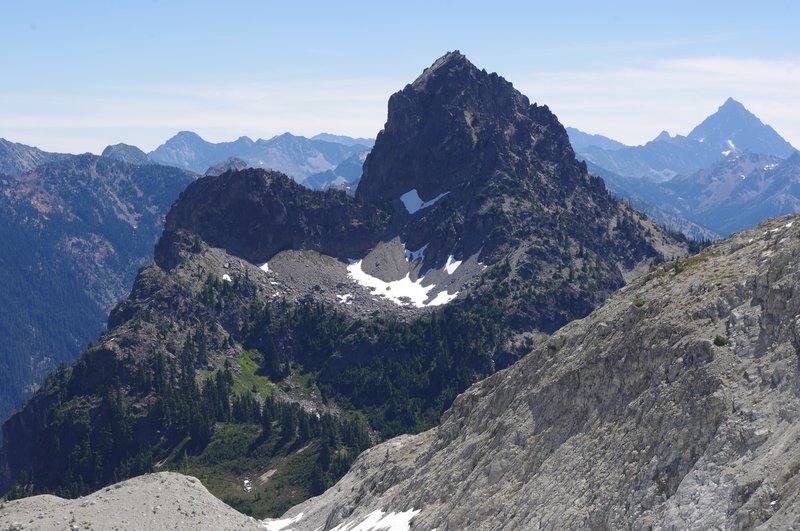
<point>279,471</point>
<point>247,379</point>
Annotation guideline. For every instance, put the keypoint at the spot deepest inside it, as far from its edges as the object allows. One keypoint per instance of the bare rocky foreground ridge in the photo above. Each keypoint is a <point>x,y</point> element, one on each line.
<point>674,405</point>
<point>155,501</point>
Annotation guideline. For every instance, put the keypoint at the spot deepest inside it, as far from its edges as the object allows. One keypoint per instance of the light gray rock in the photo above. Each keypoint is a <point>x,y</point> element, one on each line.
<point>147,503</point>
<point>638,416</point>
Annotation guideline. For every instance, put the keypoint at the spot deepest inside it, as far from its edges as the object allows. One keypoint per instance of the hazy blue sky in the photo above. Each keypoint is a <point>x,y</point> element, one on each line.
<point>80,75</point>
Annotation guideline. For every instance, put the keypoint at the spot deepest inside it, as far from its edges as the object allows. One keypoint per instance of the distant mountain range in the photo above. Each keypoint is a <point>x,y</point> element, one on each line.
<point>315,162</point>
<point>731,172</point>
<point>16,159</point>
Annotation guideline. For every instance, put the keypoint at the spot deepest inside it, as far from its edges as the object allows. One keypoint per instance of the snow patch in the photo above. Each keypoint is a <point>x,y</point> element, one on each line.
<point>726,153</point>
<point>770,167</point>
<point>789,225</point>
<point>264,267</point>
<point>730,144</point>
<point>413,256</point>
<point>451,265</point>
<point>413,202</point>
<point>280,525</point>
<point>379,520</point>
<point>345,299</point>
<point>400,291</point>
<point>226,277</point>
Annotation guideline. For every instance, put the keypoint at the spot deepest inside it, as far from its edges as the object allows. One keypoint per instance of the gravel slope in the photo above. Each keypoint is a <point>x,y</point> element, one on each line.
<point>148,503</point>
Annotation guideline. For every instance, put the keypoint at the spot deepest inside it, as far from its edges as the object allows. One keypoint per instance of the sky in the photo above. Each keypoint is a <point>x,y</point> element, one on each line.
<point>80,75</point>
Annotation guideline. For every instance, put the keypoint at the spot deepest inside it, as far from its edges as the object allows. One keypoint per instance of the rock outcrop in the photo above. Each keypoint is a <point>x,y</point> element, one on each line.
<point>674,405</point>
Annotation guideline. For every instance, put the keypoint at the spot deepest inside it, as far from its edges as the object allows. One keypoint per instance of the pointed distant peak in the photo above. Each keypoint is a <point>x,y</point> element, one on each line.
<point>731,105</point>
<point>734,128</point>
<point>663,136</point>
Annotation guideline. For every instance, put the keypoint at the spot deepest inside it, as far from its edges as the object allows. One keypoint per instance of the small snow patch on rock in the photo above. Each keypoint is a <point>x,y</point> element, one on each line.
<point>413,202</point>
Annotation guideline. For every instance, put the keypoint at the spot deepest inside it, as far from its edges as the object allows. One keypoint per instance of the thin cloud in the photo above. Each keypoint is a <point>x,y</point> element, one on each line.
<point>632,104</point>
<point>635,103</point>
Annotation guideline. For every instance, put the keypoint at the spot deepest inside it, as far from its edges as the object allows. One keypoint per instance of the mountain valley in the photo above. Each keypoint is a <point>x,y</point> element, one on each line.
<point>75,231</point>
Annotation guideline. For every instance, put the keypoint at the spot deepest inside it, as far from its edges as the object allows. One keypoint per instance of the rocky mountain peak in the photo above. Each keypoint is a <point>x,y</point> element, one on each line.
<point>663,136</point>
<point>447,65</point>
<point>231,163</point>
<point>733,128</point>
<point>732,106</point>
<point>455,130</point>
<point>126,153</point>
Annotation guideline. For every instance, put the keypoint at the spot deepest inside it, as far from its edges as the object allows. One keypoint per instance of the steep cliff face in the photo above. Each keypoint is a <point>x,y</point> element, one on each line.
<point>674,405</point>
<point>468,140</point>
<point>255,214</point>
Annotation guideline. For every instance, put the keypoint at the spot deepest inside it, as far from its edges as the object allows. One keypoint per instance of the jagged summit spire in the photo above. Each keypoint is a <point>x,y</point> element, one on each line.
<point>449,62</point>
<point>731,104</point>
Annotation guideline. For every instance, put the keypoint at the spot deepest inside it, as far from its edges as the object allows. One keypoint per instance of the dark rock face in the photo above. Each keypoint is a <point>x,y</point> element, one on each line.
<point>451,130</point>
<point>254,214</point>
<point>126,153</point>
<point>506,167</point>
